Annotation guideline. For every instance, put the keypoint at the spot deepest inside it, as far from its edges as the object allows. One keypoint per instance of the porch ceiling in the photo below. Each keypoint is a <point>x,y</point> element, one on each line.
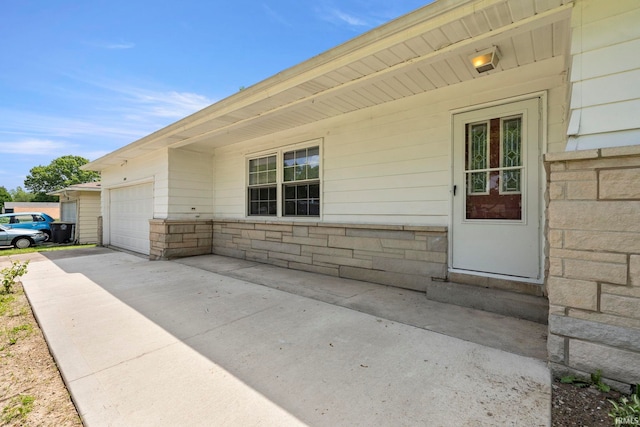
<point>425,50</point>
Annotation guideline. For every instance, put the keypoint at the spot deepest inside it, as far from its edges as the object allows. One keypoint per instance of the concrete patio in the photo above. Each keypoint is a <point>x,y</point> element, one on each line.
<point>217,341</point>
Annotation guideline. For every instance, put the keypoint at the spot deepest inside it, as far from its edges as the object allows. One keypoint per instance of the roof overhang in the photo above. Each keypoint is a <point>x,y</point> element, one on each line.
<point>422,51</point>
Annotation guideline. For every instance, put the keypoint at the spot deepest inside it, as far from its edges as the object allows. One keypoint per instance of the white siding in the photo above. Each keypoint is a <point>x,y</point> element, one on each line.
<point>88,213</point>
<point>391,164</point>
<point>150,168</point>
<point>605,74</point>
<point>191,188</point>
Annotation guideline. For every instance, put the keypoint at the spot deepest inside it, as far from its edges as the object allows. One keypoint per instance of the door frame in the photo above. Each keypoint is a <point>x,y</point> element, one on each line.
<point>543,132</point>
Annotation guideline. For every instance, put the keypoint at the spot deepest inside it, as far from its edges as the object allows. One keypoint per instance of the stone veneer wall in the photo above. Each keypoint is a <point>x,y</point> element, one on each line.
<point>179,238</point>
<point>402,256</point>
<point>594,263</point>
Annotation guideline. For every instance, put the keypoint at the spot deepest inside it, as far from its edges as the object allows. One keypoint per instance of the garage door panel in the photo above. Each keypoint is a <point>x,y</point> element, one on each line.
<point>131,208</point>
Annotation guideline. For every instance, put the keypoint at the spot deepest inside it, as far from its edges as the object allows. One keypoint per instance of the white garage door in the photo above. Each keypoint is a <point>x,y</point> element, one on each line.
<point>131,208</point>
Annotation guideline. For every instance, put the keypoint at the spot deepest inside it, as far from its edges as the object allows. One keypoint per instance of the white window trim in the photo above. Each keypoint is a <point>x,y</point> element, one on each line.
<point>279,153</point>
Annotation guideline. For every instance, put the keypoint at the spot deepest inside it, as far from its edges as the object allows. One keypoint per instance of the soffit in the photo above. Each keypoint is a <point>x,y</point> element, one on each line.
<point>417,53</point>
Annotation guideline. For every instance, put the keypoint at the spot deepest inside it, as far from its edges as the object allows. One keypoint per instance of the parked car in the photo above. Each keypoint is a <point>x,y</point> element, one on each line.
<point>28,220</point>
<point>20,238</point>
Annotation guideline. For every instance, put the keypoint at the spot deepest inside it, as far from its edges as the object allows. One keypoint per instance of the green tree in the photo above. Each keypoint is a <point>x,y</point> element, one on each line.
<point>19,195</point>
<point>4,197</point>
<point>60,173</point>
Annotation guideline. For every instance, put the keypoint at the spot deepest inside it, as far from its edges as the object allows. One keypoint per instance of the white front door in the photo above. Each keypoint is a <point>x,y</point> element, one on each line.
<point>496,203</point>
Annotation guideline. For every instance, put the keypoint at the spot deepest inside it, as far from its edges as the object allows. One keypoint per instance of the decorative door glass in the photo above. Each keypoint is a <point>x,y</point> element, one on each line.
<point>494,169</point>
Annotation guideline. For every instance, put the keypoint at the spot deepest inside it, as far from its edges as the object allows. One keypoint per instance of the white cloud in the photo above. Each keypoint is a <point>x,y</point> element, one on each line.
<point>349,19</point>
<point>119,45</point>
<point>44,147</point>
<point>275,15</point>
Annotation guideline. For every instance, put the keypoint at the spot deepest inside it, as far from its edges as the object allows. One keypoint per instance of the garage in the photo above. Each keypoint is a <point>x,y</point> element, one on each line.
<point>130,210</point>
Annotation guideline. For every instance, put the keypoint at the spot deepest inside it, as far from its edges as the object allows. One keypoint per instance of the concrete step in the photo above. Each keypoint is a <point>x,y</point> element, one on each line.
<point>506,303</point>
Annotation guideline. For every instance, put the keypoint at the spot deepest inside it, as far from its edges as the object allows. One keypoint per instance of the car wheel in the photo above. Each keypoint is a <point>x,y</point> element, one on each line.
<point>48,234</point>
<point>22,242</point>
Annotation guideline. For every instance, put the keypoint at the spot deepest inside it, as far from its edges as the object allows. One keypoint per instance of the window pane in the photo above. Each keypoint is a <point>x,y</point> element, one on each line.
<point>288,174</point>
<point>301,173</point>
<point>289,158</point>
<point>314,191</point>
<point>478,146</point>
<point>289,192</point>
<point>313,172</point>
<point>302,200</point>
<point>262,201</point>
<point>301,157</point>
<point>289,208</point>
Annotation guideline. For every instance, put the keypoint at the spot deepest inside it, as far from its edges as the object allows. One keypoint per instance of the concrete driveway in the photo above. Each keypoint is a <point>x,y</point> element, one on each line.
<point>166,344</point>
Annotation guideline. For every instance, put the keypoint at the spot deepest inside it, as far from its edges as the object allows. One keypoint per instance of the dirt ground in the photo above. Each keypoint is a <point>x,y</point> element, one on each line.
<point>32,392</point>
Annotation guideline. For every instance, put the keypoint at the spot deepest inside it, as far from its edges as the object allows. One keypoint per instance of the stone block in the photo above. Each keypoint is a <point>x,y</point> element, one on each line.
<point>363,243</point>
<point>556,238</point>
<point>602,333</point>
<point>596,271</point>
<point>274,227</point>
<point>273,235</point>
<point>582,175</point>
<point>437,243</point>
<point>634,269</point>
<point>630,150</point>
<point>556,190</point>
<point>556,348</point>
<point>559,310</point>
<point>602,241</point>
<point>381,234</point>
<point>439,257</point>
<point>222,236</point>
<point>595,215</point>
<point>305,241</point>
<point>620,305</point>
<point>253,234</point>
<point>622,290</point>
<point>589,256</point>
<point>617,364</point>
<point>582,190</point>
<point>562,156</point>
<point>619,184</point>
<point>370,254</point>
<point>259,256</point>
<point>414,245</point>
<point>323,250</point>
<point>301,231</point>
<point>184,252</point>
<point>335,231</point>
<point>287,248</point>
<point>557,167</point>
<point>354,262</point>
<point>573,293</point>
<point>204,228</point>
<point>609,319</point>
<point>288,257</point>
<point>181,228</point>
<point>240,225</point>
<point>555,267</point>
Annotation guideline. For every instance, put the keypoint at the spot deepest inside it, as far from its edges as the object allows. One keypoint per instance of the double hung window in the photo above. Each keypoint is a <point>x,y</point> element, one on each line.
<point>286,183</point>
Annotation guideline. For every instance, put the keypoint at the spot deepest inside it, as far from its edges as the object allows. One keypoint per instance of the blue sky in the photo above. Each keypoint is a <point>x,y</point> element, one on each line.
<point>86,77</point>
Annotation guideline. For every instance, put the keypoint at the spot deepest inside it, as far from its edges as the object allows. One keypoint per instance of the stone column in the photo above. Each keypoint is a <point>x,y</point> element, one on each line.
<point>594,263</point>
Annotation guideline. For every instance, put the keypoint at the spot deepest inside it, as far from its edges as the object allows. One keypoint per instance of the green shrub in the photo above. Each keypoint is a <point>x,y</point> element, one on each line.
<point>626,411</point>
<point>9,274</point>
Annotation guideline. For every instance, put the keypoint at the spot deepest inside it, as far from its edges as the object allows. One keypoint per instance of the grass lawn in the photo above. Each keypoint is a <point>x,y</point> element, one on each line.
<point>41,248</point>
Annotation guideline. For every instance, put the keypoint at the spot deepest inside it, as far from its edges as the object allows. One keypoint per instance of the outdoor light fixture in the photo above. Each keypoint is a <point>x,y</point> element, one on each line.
<point>485,60</point>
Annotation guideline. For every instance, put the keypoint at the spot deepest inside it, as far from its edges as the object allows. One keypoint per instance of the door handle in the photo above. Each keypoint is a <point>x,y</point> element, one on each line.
<point>454,189</point>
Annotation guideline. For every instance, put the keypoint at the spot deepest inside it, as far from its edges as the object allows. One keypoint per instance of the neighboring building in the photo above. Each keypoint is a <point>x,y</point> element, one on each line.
<point>50,208</point>
<point>80,204</point>
<point>392,159</point>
